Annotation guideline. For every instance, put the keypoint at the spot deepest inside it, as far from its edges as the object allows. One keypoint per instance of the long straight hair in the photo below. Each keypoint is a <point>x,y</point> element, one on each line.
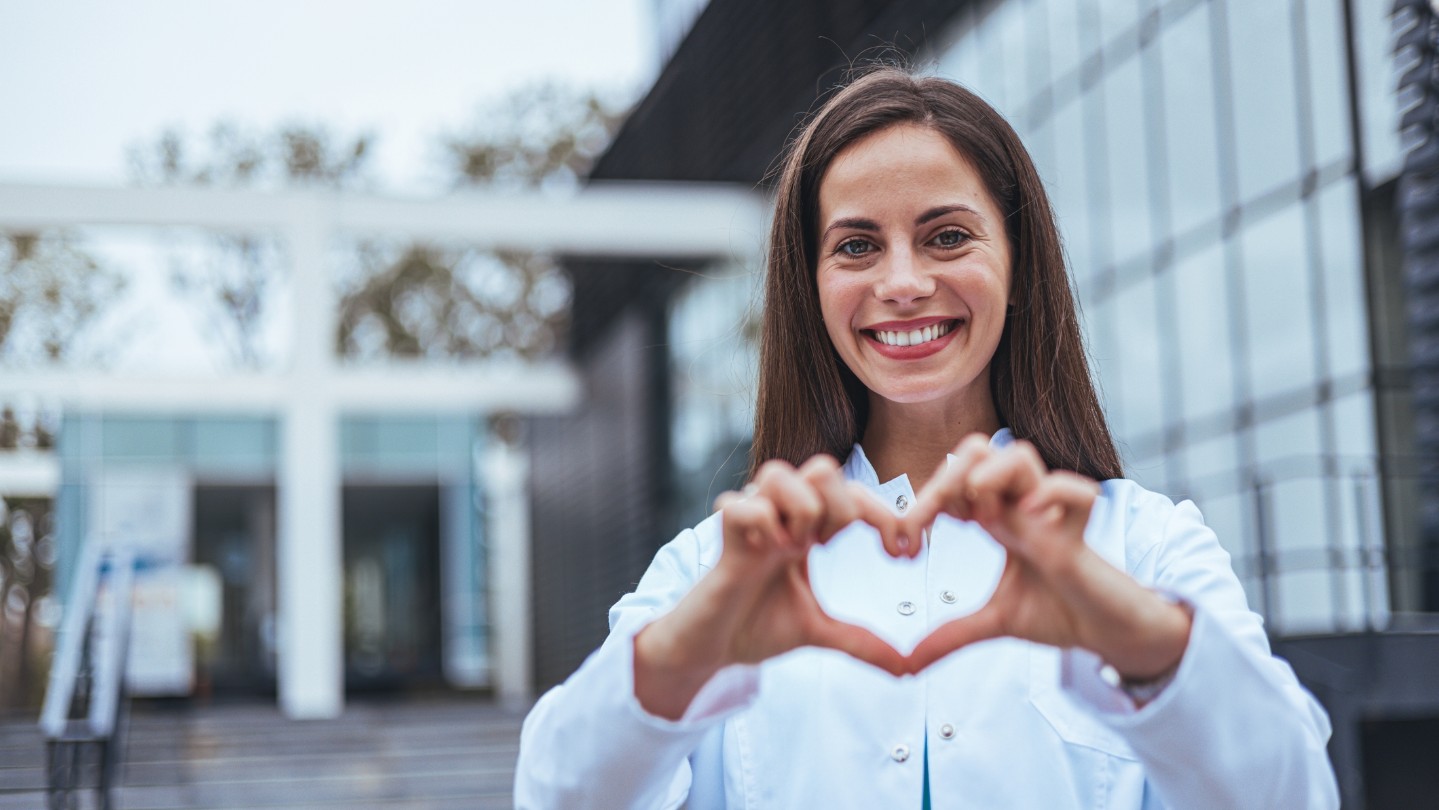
<point>809,400</point>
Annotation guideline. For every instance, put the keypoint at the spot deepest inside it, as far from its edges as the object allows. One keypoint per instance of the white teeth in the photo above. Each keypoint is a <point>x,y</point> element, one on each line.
<point>915,337</point>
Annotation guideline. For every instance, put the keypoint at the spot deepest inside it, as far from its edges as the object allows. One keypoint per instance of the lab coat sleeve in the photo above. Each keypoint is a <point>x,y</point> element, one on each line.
<point>588,743</point>
<point>1234,728</point>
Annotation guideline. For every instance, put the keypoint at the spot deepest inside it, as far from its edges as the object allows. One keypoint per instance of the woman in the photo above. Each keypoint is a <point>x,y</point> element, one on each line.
<point>995,629</point>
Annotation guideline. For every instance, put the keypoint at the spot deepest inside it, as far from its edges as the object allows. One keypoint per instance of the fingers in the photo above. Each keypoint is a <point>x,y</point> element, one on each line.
<point>876,513</point>
<point>860,643</point>
<point>1003,478</point>
<point>1070,493</point>
<point>947,492</point>
<point>951,636</point>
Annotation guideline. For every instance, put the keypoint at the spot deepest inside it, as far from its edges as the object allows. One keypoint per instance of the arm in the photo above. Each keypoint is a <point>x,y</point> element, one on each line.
<point>1234,728</point>
<point>589,743</point>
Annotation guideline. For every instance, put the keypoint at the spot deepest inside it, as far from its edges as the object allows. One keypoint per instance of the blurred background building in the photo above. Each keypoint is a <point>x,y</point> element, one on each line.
<point>1232,183</point>
<point>1226,175</point>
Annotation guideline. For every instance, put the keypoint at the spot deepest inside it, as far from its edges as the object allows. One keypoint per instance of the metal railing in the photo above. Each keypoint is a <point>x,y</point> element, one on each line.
<point>84,712</point>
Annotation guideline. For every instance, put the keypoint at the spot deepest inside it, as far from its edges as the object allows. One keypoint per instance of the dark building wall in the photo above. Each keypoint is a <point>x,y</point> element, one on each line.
<point>599,496</point>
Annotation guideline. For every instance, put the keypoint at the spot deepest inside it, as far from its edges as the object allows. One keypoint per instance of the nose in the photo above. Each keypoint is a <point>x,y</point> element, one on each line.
<point>903,279</point>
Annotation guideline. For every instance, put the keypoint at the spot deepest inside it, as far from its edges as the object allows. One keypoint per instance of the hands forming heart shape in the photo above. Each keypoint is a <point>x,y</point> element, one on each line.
<point>757,603</point>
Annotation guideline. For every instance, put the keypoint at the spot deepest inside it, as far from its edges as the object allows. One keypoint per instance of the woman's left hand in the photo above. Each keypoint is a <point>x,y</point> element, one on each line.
<point>1054,589</point>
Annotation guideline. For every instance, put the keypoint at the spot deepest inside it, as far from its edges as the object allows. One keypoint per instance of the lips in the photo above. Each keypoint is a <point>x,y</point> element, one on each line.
<point>911,340</point>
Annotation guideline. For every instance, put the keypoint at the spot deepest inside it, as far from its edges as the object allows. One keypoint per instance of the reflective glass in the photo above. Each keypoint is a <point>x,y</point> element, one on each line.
<point>1277,303</point>
<point>1354,427</point>
<point>960,59</point>
<point>133,438</point>
<point>1212,462</point>
<point>1228,515</point>
<point>1149,473</point>
<point>1138,345</point>
<point>1206,355</point>
<point>1070,189</point>
<point>1117,17</point>
<point>1100,320</point>
<point>1288,442</point>
<point>1129,202</point>
<point>235,445</point>
<point>1009,27</point>
<point>1072,35</point>
<point>1261,77</point>
<point>1328,88</point>
<point>1306,602</point>
<point>1191,133</point>
<point>991,67</point>
<point>1378,100</point>
<point>1346,310</point>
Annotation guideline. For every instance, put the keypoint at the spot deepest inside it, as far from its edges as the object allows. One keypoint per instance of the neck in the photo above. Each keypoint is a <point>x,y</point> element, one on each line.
<point>913,438</point>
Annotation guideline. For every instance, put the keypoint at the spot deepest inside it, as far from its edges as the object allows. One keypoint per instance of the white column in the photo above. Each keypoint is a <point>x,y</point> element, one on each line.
<point>310,554</point>
<point>506,474</point>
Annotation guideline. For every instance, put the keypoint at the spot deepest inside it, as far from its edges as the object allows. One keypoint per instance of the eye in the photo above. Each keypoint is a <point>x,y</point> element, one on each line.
<point>854,247</point>
<point>951,238</point>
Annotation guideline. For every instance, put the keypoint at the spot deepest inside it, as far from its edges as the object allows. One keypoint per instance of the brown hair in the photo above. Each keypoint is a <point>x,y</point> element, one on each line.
<point>810,402</point>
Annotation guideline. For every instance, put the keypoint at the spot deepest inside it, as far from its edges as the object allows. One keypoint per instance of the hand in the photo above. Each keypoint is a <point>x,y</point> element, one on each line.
<point>757,602</point>
<point>1054,589</point>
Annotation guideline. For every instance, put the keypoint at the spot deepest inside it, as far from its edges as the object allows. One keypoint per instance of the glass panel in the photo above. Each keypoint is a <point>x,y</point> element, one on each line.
<point>235,445</point>
<point>1117,17</point>
<point>1137,329</point>
<point>1261,43</point>
<point>1100,319</point>
<point>1009,22</point>
<point>1281,443</point>
<point>1227,515</point>
<point>1378,100</point>
<point>1206,355</point>
<point>1074,196</point>
<point>1324,32</point>
<point>1306,602</point>
<point>960,61</point>
<point>130,438</point>
<point>1129,202</point>
<point>1189,118</point>
<point>1068,43</point>
<point>1346,311</point>
<point>1149,473</point>
<point>1354,426</point>
<point>1212,464</point>
<point>991,67</point>
<point>1040,143</point>
<point>1277,305</point>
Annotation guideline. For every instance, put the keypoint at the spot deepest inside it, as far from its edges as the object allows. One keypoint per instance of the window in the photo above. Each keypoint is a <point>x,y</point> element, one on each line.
<point>1189,119</point>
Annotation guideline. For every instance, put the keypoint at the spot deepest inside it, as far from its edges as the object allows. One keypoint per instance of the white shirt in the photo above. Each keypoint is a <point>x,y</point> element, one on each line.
<point>1008,723</point>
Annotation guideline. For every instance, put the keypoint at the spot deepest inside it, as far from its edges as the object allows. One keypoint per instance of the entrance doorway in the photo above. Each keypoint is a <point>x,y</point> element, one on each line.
<point>392,587</point>
<point>235,537</point>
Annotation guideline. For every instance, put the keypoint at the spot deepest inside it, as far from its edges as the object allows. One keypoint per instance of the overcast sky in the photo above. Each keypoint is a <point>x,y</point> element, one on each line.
<point>82,79</point>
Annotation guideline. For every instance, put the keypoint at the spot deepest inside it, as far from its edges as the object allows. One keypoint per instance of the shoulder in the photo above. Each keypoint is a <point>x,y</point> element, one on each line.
<point>1130,523</point>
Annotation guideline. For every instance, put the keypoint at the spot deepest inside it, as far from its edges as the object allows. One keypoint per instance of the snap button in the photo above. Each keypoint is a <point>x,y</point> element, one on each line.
<point>901,503</point>
<point>905,608</point>
<point>900,753</point>
<point>948,597</point>
<point>946,732</point>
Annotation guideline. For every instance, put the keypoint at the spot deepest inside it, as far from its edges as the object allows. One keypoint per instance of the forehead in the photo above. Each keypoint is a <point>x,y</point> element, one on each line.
<point>899,168</point>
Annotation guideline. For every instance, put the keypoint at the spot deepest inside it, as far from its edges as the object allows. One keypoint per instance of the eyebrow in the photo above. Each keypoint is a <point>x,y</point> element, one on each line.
<point>862,224</point>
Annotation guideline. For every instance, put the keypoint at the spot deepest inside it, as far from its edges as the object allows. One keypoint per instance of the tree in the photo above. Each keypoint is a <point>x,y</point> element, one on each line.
<point>232,281</point>
<point>51,292</point>
<point>401,300</point>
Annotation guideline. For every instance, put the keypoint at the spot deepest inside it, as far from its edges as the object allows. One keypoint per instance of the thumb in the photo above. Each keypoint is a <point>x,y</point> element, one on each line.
<point>858,642</point>
<point>979,626</point>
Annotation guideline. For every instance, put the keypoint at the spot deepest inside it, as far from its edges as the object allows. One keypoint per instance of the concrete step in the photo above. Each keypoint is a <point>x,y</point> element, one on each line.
<point>438,753</point>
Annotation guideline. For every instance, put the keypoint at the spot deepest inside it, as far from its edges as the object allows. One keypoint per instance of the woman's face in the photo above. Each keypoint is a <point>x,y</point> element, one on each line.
<point>913,268</point>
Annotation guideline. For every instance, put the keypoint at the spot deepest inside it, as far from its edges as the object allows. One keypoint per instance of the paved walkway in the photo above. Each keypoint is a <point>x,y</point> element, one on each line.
<point>430,754</point>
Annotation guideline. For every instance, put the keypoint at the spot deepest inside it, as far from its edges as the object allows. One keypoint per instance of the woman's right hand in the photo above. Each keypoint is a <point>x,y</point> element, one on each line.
<point>757,602</point>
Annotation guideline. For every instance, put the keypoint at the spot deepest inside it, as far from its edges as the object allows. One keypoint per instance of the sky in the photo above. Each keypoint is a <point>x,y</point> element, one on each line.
<point>80,80</point>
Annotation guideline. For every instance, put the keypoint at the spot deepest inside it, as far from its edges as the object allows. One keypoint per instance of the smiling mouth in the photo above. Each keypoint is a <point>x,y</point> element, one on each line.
<point>913,337</point>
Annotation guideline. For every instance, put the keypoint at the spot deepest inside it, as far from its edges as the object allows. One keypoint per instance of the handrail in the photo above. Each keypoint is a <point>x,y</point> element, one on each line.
<point>93,649</point>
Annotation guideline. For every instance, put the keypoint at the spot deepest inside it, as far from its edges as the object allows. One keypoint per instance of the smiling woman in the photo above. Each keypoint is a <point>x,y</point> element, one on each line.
<point>960,614</point>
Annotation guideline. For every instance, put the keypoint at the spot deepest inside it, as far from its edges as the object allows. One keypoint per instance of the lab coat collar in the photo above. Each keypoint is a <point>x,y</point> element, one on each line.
<point>858,468</point>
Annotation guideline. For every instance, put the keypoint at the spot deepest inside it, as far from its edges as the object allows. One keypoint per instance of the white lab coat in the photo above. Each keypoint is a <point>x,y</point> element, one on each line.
<point>1008,724</point>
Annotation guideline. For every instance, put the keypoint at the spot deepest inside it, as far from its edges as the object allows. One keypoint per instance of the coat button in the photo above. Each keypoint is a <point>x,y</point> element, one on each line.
<point>905,608</point>
<point>948,597</point>
<point>900,753</point>
<point>901,503</point>
<point>946,732</point>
